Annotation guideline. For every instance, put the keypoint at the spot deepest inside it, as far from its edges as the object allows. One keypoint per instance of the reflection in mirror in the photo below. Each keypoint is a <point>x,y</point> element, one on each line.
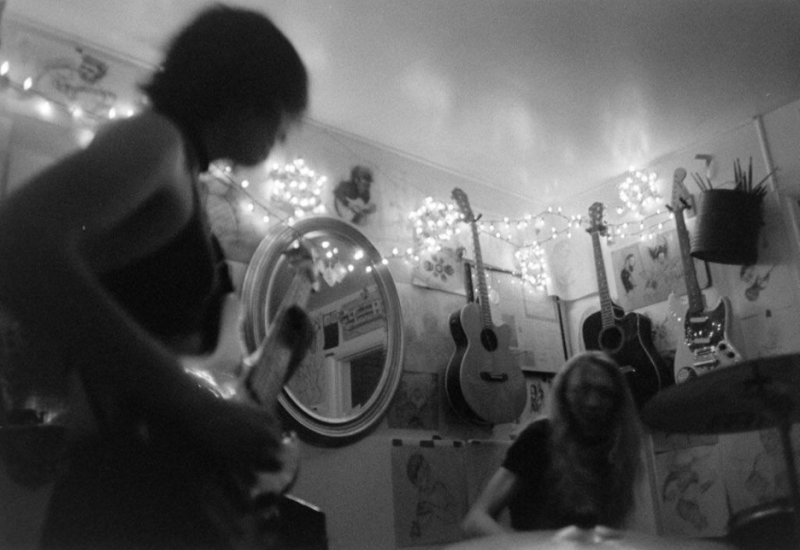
<point>347,381</point>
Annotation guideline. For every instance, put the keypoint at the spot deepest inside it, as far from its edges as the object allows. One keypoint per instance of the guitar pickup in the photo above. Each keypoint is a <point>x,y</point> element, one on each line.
<point>700,320</point>
<point>492,377</point>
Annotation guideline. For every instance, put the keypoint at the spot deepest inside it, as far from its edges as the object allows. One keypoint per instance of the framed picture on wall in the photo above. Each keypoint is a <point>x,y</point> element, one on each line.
<point>646,272</point>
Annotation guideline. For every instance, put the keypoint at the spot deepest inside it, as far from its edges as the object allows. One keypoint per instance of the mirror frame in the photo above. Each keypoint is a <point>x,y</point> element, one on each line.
<point>256,290</point>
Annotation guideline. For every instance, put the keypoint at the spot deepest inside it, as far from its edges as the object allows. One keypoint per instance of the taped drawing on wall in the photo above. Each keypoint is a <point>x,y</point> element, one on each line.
<point>429,491</point>
<point>647,271</point>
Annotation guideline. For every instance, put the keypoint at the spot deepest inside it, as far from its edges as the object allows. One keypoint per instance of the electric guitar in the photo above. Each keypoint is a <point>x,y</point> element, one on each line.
<point>240,511</point>
<point>484,383</point>
<point>627,337</point>
<point>703,343</point>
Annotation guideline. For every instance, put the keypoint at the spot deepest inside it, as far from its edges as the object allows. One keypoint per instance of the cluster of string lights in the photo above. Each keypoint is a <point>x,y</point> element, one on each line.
<point>294,191</point>
<point>638,191</point>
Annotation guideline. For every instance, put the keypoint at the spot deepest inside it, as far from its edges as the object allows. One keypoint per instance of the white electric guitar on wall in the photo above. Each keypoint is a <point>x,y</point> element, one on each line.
<point>703,342</point>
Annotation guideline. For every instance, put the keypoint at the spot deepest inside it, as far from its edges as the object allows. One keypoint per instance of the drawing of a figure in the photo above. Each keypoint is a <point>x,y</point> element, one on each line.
<point>627,273</point>
<point>767,479</point>
<point>80,84</point>
<point>755,281</point>
<point>435,502</point>
<point>683,486</point>
<point>414,404</point>
<point>660,276</point>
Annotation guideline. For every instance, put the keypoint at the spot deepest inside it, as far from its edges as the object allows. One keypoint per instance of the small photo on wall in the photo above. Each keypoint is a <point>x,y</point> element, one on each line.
<point>540,391</point>
<point>353,200</point>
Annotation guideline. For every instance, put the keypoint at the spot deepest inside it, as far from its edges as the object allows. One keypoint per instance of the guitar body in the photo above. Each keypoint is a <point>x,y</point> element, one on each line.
<point>704,343</point>
<point>627,337</point>
<point>240,512</point>
<point>483,383</point>
<point>630,342</point>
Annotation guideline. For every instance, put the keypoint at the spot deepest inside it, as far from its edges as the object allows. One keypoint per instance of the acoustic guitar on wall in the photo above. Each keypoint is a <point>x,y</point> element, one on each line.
<point>627,337</point>
<point>703,342</point>
<point>484,383</point>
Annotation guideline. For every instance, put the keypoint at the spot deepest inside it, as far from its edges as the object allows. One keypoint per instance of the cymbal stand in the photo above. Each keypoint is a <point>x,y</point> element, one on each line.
<point>779,407</point>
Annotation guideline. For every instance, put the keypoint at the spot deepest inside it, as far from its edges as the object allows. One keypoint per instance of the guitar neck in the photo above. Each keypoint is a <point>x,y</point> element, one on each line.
<point>483,292</point>
<point>271,360</point>
<point>606,306</point>
<point>693,291</point>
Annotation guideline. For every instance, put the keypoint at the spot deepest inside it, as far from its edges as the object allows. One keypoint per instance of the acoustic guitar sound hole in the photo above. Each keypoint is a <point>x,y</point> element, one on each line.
<point>489,339</point>
<point>611,339</point>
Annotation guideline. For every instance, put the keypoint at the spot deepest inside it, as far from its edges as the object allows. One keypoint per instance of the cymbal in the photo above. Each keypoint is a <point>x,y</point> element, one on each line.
<point>751,395</point>
<point>575,538</point>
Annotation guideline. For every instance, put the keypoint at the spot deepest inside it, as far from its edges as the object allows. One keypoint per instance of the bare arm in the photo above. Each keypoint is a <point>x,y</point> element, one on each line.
<point>56,234</point>
<point>481,519</point>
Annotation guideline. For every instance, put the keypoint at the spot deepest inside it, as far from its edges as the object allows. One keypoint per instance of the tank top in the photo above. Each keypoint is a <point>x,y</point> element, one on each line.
<point>175,290</point>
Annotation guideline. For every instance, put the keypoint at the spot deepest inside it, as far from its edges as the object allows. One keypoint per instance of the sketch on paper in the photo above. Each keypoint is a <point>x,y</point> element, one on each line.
<point>756,467</point>
<point>429,491</point>
<point>442,270</point>
<point>692,492</point>
<point>540,390</point>
<point>572,268</point>
<point>646,272</point>
<point>415,406</point>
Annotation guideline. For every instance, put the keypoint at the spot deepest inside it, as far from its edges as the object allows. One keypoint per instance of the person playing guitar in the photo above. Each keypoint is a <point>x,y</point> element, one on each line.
<point>106,257</point>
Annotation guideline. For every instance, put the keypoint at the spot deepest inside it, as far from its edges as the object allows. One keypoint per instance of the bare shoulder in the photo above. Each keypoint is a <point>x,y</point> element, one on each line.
<point>147,138</point>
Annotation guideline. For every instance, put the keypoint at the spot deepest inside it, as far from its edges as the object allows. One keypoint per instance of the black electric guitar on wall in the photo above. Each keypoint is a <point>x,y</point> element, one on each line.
<point>627,337</point>
<point>703,341</point>
<point>484,383</point>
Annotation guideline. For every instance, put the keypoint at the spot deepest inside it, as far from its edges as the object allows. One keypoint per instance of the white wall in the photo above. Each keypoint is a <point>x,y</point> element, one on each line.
<point>352,484</point>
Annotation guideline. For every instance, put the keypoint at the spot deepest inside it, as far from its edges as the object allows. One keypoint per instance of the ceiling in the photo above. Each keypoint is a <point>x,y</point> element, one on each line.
<point>545,99</point>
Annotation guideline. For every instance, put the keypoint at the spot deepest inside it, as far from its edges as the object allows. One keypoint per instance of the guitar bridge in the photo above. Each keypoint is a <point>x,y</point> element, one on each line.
<point>487,376</point>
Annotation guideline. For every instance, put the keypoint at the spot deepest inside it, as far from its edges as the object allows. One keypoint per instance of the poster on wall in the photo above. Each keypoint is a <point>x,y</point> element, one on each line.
<point>691,492</point>
<point>442,270</point>
<point>540,391</point>
<point>755,467</point>
<point>68,72</point>
<point>571,266</point>
<point>646,272</point>
<point>429,489</point>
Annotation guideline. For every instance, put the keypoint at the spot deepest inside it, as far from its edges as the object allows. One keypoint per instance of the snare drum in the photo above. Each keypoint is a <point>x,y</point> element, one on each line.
<point>766,526</point>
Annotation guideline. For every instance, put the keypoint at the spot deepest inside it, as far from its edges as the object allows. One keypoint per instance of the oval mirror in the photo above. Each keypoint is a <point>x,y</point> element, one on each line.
<point>350,375</point>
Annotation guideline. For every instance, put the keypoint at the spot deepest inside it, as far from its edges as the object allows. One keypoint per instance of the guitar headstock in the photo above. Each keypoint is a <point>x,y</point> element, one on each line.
<point>680,195</point>
<point>463,204</point>
<point>596,222</point>
<point>302,260</point>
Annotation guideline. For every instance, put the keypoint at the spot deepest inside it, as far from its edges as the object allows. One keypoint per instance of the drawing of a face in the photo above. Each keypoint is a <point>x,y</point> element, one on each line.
<point>659,252</point>
<point>419,471</point>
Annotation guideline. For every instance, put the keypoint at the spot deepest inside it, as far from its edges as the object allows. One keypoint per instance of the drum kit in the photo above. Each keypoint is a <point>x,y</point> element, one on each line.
<point>751,395</point>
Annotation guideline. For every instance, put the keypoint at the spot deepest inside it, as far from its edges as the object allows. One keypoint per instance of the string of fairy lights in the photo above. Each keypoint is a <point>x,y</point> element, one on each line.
<point>294,191</point>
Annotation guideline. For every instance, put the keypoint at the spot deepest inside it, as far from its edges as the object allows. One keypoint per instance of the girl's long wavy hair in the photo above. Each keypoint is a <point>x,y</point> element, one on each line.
<point>595,480</point>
